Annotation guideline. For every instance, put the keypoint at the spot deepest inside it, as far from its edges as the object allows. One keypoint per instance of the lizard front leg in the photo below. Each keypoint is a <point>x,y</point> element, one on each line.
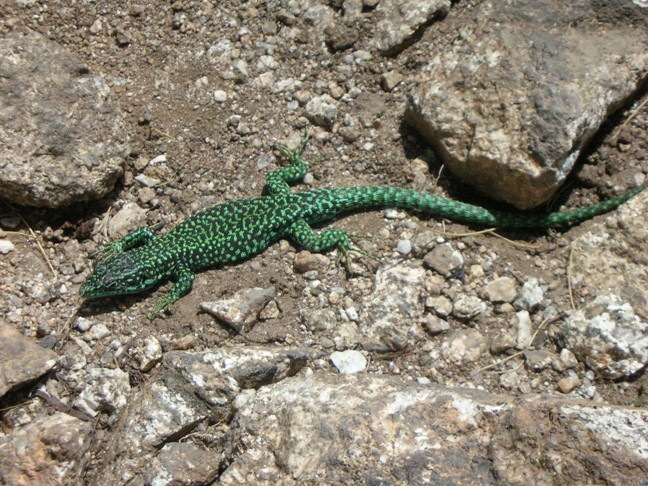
<point>183,278</point>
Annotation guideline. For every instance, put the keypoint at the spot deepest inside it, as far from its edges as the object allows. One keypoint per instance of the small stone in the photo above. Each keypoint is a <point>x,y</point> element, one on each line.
<point>6,246</point>
<point>183,343</point>
<point>510,380</point>
<point>122,37</point>
<point>352,313</point>
<point>538,360</point>
<point>404,247</point>
<point>390,80</point>
<point>423,242</point>
<point>464,346</point>
<point>147,181</point>
<point>501,290</point>
<point>340,37</point>
<point>435,325</point>
<point>321,111</point>
<point>151,354</point>
<point>10,222</point>
<point>349,362</point>
<point>145,195</point>
<point>502,342</point>
<point>160,159</point>
<point>98,331</point>
<point>467,307</point>
<point>531,294</point>
<point>565,361</point>
<point>82,324</point>
<point>270,311</point>
<point>523,330</point>
<point>608,336</point>
<point>444,259</point>
<point>441,305</point>
<point>306,261</point>
<point>569,383</point>
<point>220,96</point>
<point>242,309</point>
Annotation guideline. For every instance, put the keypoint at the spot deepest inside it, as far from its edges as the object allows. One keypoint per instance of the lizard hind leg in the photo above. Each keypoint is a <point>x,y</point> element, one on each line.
<point>303,236</point>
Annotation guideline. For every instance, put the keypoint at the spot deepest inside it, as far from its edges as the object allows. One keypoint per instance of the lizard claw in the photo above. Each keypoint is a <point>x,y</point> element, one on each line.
<point>107,250</point>
<point>162,304</point>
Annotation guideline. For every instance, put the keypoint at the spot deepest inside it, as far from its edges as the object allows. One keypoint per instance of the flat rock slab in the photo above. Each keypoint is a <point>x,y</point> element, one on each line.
<point>61,139</point>
<point>511,103</point>
<point>188,389</point>
<point>367,429</point>
<point>21,359</point>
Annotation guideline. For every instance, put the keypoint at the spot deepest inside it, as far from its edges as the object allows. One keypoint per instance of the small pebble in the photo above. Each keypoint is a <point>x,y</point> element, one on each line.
<point>349,362</point>
<point>567,384</point>
<point>404,247</point>
<point>220,96</point>
<point>6,246</point>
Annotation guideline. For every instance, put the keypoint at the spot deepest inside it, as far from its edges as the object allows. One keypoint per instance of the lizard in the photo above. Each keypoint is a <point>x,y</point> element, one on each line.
<point>231,232</point>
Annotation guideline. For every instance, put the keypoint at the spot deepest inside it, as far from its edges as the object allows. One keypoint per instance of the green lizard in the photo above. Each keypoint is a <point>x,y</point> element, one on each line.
<point>235,231</point>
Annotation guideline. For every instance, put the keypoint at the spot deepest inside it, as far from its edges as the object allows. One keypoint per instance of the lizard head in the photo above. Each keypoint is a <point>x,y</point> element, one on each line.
<point>119,274</point>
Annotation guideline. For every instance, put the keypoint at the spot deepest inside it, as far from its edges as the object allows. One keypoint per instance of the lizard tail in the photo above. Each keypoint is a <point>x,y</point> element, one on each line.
<point>355,198</point>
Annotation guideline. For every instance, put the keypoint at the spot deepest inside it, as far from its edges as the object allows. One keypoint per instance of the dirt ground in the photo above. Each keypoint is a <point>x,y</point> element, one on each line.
<point>220,151</point>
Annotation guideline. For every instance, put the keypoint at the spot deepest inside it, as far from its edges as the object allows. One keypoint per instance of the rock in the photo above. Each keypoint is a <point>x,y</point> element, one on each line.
<point>503,289</point>
<point>523,330</point>
<point>444,259</point>
<point>404,247</point>
<point>321,111</point>
<point>423,242</point>
<point>608,337</point>
<point>6,246</point>
<point>183,463</point>
<point>340,37</point>
<point>510,109</point>
<point>565,361</point>
<point>611,257</point>
<point>531,294</point>
<point>220,96</point>
<point>402,20</point>
<point>467,307</point>
<point>538,360</point>
<point>387,430</point>
<point>435,325</point>
<point>392,314</point>
<point>305,261</point>
<point>128,218</point>
<point>502,342</point>
<point>105,390</point>
<point>567,384</point>
<point>349,362</point>
<point>49,158</point>
<point>441,305</point>
<point>150,354</point>
<point>464,346</point>
<point>390,80</point>
<point>97,332</point>
<point>48,451</point>
<point>242,309</point>
<point>187,389</point>
<point>21,359</point>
